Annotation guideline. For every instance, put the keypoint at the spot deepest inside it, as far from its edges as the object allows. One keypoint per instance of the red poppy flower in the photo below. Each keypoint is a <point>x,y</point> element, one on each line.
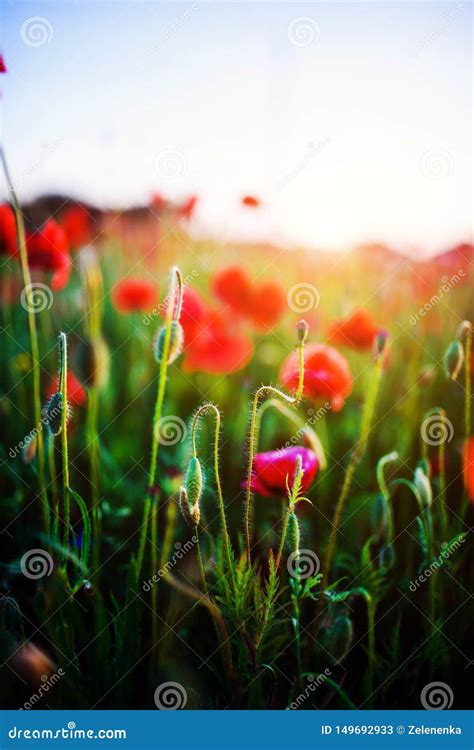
<point>271,470</point>
<point>327,374</point>
<point>76,394</point>
<point>251,201</point>
<point>217,346</point>
<point>8,242</point>
<point>159,202</point>
<point>261,304</point>
<point>186,209</point>
<point>48,250</point>
<point>3,67</point>
<point>468,467</point>
<point>134,294</point>
<point>358,331</point>
<point>77,224</point>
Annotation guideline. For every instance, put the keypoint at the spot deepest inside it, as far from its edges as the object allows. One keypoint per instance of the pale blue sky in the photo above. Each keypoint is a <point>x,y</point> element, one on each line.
<point>364,133</point>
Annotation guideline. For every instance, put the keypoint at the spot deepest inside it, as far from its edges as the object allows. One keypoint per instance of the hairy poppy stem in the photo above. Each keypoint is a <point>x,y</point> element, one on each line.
<point>266,390</point>
<point>34,347</point>
<point>64,444</point>
<point>356,456</point>
<point>467,383</point>
<point>199,414</point>
<point>200,562</point>
<point>150,510</point>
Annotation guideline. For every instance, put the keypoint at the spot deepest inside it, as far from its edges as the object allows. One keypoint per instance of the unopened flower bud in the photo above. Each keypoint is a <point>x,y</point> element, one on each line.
<point>464,330</point>
<point>423,485</point>
<point>302,330</point>
<point>453,359</point>
<point>53,413</point>
<point>381,343</point>
<point>294,533</point>
<point>175,343</point>
<point>193,481</point>
<point>191,513</point>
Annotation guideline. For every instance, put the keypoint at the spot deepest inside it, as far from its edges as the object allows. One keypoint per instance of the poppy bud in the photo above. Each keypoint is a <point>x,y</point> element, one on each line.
<point>53,413</point>
<point>193,481</point>
<point>453,359</point>
<point>294,533</point>
<point>175,345</point>
<point>93,359</point>
<point>379,515</point>
<point>191,514</point>
<point>381,343</point>
<point>339,637</point>
<point>302,329</point>
<point>464,329</point>
<point>423,485</point>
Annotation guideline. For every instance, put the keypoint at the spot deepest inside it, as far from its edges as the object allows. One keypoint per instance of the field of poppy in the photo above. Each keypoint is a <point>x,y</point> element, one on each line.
<point>233,475</point>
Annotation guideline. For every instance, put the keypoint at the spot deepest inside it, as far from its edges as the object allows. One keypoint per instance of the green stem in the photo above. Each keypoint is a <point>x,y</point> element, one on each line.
<point>64,443</point>
<point>283,537</point>
<point>93,451</point>
<point>200,562</point>
<point>467,384</point>
<point>34,347</point>
<point>265,390</point>
<point>200,413</point>
<point>356,456</point>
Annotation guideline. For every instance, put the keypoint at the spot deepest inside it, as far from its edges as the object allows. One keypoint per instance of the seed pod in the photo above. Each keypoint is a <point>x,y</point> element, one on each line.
<point>453,359</point>
<point>93,362</point>
<point>193,481</point>
<point>175,345</point>
<point>302,329</point>
<point>464,330</point>
<point>423,485</point>
<point>294,533</point>
<point>339,637</point>
<point>53,413</point>
<point>379,516</point>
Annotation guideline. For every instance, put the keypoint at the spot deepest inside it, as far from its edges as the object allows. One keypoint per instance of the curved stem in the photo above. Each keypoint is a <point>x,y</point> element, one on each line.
<point>198,415</point>
<point>34,347</point>
<point>266,390</point>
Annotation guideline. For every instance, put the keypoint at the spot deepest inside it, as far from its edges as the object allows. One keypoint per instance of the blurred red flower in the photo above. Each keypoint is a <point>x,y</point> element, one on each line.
<point>3,67</point>
<point>159,202</point>
<point>261,304</point>
<point>186,209</point>
<point>134,294</point>
<point>327,374</point>
<point>48,250</point>
<point>270,470</point>
<point>77,223</point>
<point>217,347</point>
<point>8,240</point>
<point>468,467</point>
<point>358,330</point>
<point>251,201</point>
<point>76,394</point>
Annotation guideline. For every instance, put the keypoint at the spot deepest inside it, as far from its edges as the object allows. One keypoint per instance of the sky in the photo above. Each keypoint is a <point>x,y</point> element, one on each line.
<point>351,121</point>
